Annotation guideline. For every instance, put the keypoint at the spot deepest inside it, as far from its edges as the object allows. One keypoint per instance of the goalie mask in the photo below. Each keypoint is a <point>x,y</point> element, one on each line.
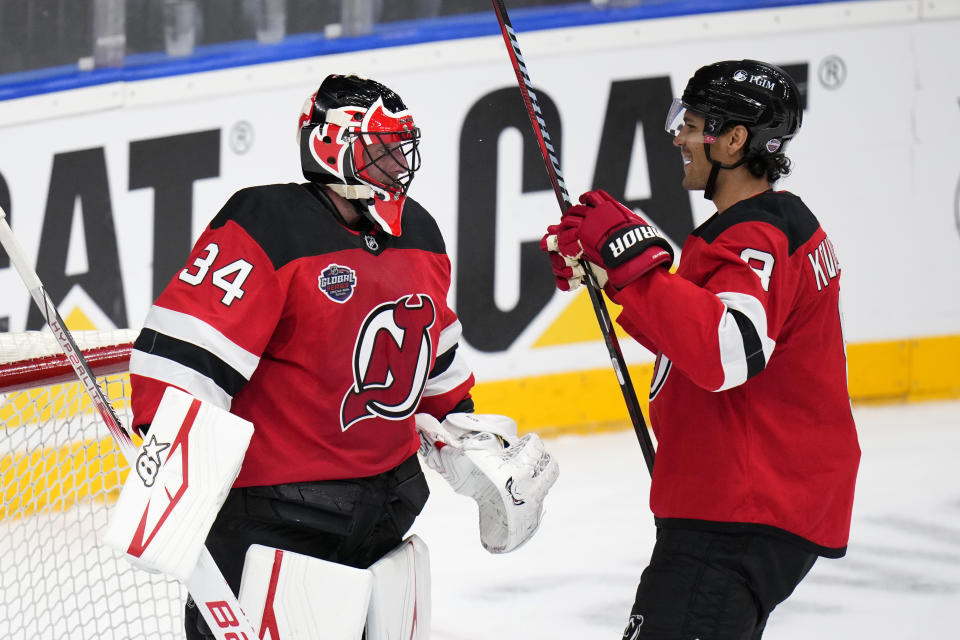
<point>357,137</point>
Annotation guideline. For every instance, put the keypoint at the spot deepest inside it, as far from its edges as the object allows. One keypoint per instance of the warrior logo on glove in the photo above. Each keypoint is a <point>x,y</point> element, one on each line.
<point>619,245</point>
<point>391,361</point>
<point>614,242</point>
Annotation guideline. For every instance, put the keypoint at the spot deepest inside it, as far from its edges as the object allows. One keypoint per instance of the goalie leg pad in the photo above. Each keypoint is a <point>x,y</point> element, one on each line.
<point>400,604</point>
<point>291,595</point>
<point>178,482</point>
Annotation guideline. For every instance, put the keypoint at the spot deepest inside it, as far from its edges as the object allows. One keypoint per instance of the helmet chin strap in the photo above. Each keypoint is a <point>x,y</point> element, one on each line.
<point>351,191</point>
<point>711,187</point>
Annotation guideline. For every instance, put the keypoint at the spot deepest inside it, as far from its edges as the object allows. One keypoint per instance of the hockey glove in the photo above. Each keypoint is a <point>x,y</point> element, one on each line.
<point>567,272</point>
<point>611,237</point>
<point>508,476</point>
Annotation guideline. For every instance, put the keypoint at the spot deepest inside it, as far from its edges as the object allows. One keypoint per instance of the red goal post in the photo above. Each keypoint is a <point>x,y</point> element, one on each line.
<point>30,356</point>
<point>60,473</point>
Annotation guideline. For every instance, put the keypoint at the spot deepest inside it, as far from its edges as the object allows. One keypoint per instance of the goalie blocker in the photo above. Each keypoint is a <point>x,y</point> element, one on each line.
<point>178,481</point>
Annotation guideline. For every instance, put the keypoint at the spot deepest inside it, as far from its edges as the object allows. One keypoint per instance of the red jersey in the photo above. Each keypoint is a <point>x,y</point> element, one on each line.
<point>749,399</point>
<point>327,339</point>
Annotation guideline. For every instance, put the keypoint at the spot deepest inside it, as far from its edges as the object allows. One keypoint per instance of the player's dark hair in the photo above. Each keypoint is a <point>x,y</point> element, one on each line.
<point>773,166</point>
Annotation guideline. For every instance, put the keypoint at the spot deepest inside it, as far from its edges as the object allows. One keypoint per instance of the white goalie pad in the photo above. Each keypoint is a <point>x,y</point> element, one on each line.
<point>481,457</point>
<point>177,484</point>
<point>288,595</point>
<point>400,603</point>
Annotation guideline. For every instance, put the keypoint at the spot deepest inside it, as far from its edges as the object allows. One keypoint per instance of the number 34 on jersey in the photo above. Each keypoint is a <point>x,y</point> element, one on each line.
<point>229,278</point>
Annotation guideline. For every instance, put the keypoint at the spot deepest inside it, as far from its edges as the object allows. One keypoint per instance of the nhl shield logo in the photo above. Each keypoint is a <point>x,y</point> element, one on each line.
<point>337,282</point>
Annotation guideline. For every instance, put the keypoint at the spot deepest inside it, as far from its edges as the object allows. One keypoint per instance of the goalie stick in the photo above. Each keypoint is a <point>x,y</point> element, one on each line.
<point>552,165</point>
<point>207,586</point>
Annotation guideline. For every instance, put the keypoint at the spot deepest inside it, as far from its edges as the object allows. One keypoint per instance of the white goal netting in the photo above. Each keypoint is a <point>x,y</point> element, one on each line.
<point>60,474</point>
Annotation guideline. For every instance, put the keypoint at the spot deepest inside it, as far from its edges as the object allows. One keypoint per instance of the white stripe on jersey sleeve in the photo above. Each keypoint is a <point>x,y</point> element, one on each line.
<point>733,356</point>
<point>449,337</point>
<point>456,374</point>
<point>171,372</point>
<point>195,331</point>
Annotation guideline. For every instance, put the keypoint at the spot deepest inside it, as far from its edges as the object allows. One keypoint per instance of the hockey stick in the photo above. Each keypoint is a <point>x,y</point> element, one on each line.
<point>207,586</point>
<point>563,199</point>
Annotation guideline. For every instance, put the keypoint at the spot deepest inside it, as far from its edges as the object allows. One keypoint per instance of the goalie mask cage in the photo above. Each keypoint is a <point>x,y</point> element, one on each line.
<point>60,474</point>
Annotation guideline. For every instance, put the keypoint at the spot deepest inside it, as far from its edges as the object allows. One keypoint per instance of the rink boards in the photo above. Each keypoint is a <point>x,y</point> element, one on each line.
<point>112,182</point>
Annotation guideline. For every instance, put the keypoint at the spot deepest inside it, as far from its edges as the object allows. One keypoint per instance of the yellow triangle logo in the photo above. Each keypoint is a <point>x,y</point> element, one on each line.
<point>77,320</point>
<point>578,323</point>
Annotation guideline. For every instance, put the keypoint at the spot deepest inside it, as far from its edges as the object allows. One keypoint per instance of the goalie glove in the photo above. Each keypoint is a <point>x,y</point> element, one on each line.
<point>482,457</point>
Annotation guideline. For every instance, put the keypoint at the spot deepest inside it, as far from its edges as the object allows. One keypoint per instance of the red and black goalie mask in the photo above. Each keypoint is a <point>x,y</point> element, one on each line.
<point>356,132</point>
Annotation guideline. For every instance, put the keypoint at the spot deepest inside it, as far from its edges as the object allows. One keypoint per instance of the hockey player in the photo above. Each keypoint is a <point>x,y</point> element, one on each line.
<point>757,448</point>
<point>318,312</point>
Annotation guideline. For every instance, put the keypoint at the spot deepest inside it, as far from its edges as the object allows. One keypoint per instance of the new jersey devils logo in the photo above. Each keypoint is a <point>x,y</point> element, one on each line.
<point>661,369</point>
<point>391,361</point>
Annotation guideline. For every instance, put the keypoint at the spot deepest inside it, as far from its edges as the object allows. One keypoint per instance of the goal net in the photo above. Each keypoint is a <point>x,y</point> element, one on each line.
<point>60,475</point>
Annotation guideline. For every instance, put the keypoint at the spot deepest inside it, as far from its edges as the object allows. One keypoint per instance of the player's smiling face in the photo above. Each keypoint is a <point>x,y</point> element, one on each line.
<point>689,139</point>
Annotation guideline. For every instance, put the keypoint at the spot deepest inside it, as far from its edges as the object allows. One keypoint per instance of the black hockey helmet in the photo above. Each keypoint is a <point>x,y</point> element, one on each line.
<point>358,137</point>
<point>760,96</point>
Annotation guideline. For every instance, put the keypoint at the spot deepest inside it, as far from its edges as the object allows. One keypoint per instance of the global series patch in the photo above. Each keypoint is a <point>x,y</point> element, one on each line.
<point>337,282</point>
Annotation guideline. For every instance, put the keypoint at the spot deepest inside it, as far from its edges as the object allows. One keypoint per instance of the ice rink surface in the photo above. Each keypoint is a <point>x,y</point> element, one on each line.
<point>576,578</point>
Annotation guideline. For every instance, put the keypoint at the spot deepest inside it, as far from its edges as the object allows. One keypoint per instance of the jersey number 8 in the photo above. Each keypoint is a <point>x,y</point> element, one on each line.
<point>239,269</point>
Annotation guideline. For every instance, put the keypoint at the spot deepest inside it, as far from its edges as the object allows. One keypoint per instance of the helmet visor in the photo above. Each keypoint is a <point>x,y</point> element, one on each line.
<point>675,117</point>
<point>682,119</point>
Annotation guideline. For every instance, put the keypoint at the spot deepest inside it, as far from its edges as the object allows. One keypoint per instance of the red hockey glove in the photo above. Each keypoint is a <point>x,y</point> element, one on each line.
<point>609,235</point>
<point>567,271</point>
